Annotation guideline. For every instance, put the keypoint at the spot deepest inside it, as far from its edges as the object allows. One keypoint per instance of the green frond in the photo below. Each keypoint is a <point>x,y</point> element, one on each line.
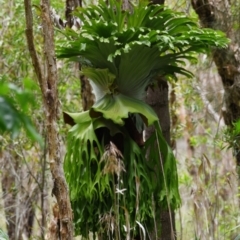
<point>116,39</point>
<point>117,107</point>
<point>102,81</point>
<point>121,52</point>
<point>92,190</point>
<point>82,142</point>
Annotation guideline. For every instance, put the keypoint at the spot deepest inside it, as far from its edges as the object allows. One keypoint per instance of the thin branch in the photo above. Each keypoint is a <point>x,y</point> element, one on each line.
<point>29,170</point>
<point>217,118</point>
<point>30,42</point>
<point>43,168</point>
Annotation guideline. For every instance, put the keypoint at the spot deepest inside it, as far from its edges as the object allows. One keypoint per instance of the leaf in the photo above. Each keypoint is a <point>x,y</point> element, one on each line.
<point>101,81</point>
<point>167,183</point>
<point>11,120</point>
<point>237,127</point>
<point>141,59</point>
<point>117,107</point>
<point>91,192</point>
<point>30,84</point>
<point>3,235</point>
<point>237,237</point>
<point>125,43</point>
<point>13,111</point>
<point>84,152</point>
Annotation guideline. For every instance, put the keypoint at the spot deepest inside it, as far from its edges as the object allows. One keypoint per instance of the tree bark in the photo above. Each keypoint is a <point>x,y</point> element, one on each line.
<point>71,5</point>
<point>48,83</point>
<point>87,97</point>
<point>10,196</point>
<point>157,98</point>
<point>216,14</point>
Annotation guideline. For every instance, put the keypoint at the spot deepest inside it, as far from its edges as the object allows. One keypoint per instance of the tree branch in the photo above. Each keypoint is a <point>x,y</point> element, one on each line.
<point>30,42</point>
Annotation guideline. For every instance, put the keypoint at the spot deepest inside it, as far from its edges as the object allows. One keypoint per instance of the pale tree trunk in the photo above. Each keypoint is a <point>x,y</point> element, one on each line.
<point>216,14</point>
<point>9,195</point>
<point>20,193</point>
<point>47,79</point>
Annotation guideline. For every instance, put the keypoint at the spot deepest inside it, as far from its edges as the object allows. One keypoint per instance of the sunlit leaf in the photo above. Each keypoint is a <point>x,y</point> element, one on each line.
<point>118,107</point>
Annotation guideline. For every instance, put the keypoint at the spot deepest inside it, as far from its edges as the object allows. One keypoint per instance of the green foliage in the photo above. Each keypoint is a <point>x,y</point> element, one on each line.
<point>3,235</point>
<point>232,135</point>
<point>121,53</point>
<point>117,107</point>
<point>13,119</point>
<point>231,138</point>
<point>152,39</point>
<point>93,191</point>
<point>18,92</point>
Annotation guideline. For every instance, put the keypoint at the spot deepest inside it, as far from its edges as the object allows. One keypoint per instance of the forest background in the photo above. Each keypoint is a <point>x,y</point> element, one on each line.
<point>201,141</point>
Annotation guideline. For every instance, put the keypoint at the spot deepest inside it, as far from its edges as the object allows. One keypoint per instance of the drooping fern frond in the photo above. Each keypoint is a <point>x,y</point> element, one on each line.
<point>121,52</point>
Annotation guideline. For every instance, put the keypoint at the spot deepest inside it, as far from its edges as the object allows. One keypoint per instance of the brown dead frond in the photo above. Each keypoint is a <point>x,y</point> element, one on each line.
<point>108,221</point>
<point>112,159</point>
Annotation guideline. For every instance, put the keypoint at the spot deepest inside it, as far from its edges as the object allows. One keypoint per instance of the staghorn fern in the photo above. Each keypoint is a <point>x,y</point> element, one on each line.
<point>121,53</point>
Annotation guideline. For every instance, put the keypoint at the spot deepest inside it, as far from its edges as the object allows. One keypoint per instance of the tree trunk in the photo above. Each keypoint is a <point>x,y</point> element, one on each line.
<point>86,90</point>
<point>47,79</point>
<point>157,98</point>
<point>9,195</point>
<point>216,14</point>
<point>71,5</point>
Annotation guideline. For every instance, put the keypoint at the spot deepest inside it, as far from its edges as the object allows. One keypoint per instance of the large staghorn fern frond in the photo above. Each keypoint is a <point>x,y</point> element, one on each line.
<point>112,38</point>
<point>93,189</point>
<point>121,52</point>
